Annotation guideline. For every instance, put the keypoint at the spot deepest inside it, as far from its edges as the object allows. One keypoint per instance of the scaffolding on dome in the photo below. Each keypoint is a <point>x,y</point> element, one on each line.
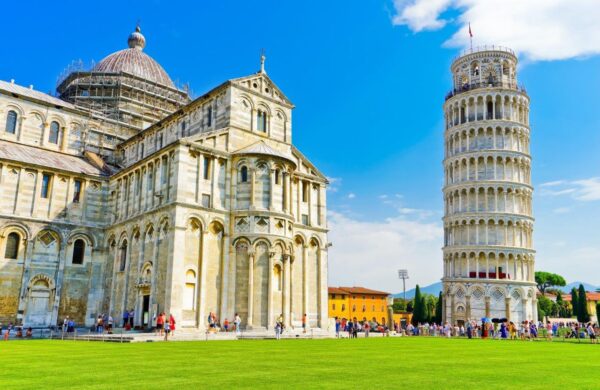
<point>131,101</point>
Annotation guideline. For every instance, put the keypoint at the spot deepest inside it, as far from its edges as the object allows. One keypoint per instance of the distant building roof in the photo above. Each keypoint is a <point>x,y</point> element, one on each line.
<point>46,158</point>
<point>335,290</point>
<point>362,290</point>
<point>591,296</point>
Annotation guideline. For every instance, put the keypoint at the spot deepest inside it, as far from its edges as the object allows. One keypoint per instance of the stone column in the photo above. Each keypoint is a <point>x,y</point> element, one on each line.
<point>249,321</point>
<point>252,188</point>
<point>270,291</point>
<point>322,286</point>
<point>487,306</point>
<point>507,307</point>
<point>286,191</point>
<point>286,290</point>
<point>176,273</point>
<point>202,312</point>
<point>58,278</point>
<point>272,191</point>
<point>452,319</point>
<point>468,308</point>
<point>299,201</point>
<point>214,183</point>
<point>226,265</point>
<point>304,279</point>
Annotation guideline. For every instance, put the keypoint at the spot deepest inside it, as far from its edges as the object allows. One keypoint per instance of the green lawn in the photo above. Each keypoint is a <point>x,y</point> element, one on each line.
<point>352,364</point>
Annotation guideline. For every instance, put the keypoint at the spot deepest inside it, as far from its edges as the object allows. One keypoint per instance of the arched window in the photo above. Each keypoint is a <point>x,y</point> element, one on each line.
<point>244,174</point>
<point>277,173</point>
<point>183,129</point>
<point>53,135</point>
<point>333,306</point>
<point>353,307</point>
<point>12,246</point>
<point>123,256</point>
<point>78,251</point>
<point>261,121</point>
<point>343,306</point>
<point>189,300</point>
<point>11,122</point>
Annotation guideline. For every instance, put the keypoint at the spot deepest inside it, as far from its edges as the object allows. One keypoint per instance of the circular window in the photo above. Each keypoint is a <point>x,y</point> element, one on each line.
<point>267,90</point>
<point>255,85</point>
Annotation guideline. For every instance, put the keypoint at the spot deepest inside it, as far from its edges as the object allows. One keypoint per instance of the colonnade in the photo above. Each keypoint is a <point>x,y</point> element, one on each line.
<point>487,167</point>
<point>500,266</point>
<point>498,199</point>
<point>500,232</point>
<point>480,107</point>
<point>473,139</point>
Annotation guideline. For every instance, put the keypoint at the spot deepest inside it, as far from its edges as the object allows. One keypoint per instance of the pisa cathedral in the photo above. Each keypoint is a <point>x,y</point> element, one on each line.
<point>123,193</point>
<point>488,223</point>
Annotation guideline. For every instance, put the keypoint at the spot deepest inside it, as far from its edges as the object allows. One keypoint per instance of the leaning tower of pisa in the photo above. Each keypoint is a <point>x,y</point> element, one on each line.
<point>488,222</point>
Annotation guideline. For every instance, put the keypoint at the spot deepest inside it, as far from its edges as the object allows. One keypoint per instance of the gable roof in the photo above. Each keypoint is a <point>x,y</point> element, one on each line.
<point>274,91</point>
<point>260,147</point>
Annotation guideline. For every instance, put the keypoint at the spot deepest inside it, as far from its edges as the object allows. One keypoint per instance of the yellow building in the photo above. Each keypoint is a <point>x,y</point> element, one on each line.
<point>358,302</point>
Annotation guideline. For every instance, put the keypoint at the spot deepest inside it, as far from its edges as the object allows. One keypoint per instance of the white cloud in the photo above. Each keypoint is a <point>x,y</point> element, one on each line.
<point>536,29</point>
<point>369,253</point>
<point>589,189</point>
<point>334,184</point>
<point>420,15</point>
<point>561,210</point>
<point>583,190</point>
<point>351,195</point>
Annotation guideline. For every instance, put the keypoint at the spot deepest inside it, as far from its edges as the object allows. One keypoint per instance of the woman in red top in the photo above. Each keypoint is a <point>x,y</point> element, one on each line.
<point>172,324</point>
<point>160,321</point>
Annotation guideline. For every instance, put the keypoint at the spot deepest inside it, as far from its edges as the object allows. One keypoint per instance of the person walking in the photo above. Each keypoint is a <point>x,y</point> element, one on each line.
<point>304,323</point>
<point>167,328</point>
<point>172,324</point>
<point>110,324</point>
<point>591,332</point>
<point>125,318</point>
<point>337,327</point>
<point>366,328</point>
<point>131,316</point>
<point>277,330</point>
<point>65,324</point>
<point>237,321</point>
<point>160,324</point>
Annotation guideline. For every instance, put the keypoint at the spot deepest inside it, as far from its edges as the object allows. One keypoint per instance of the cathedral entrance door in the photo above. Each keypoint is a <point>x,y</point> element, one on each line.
<point>38,303</point>
<point>145,310</point>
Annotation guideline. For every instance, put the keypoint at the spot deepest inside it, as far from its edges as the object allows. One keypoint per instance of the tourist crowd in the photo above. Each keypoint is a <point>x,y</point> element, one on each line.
<point>526,330</point>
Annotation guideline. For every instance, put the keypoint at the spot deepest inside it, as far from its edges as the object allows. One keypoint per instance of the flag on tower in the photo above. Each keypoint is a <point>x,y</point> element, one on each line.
<point>470,32</point>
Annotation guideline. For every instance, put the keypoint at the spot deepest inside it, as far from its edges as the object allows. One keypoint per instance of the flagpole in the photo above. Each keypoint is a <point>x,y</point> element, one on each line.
<point>471,37</point>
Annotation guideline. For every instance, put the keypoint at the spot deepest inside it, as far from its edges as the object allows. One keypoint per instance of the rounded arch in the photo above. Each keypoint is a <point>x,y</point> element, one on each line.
<point>261,240</point>
<point>41,277</point>
<point>87,238</point>
<point>18,227</point>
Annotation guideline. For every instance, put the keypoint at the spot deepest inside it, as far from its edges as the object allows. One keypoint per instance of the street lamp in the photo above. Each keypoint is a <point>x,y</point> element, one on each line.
<point>403,274</point>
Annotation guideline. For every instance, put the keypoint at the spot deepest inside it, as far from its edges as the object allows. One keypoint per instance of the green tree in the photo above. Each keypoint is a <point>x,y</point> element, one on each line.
<point>544,307</point>
<point>582,308</point>
<point>438,309</point>
<point>399,305</point>
<point>430,303</point>
<point>418,309</point>
<point>574,305</point>
<point>563,307</point>
<point>548,279</point>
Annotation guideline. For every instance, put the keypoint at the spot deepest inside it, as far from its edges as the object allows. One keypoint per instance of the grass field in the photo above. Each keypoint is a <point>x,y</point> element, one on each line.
<point>362,363</point>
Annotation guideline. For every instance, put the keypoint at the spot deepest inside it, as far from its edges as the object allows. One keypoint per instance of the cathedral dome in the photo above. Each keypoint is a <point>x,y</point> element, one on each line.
<point>134,61</point>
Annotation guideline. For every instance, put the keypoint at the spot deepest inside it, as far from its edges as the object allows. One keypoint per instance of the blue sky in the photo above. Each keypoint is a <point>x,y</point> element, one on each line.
<point>368,80</point>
